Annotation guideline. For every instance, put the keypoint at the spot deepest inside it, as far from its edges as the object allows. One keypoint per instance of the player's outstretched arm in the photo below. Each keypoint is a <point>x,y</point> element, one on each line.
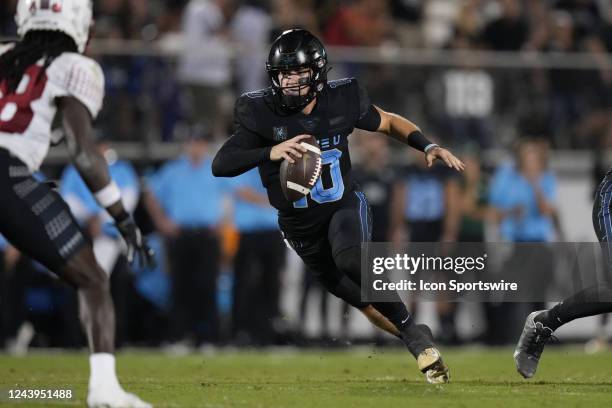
<point>93,168</point>
<point>407,132</point>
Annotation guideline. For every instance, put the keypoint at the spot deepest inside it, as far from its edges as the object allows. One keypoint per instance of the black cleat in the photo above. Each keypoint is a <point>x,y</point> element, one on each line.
<point>531,345</point>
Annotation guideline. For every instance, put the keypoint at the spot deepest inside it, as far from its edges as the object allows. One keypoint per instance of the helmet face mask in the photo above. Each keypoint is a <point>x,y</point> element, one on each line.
<point>71,17</point>
<point>297,67</point>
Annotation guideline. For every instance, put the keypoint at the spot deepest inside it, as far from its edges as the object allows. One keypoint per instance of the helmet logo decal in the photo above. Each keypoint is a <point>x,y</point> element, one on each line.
<point>55,6</point>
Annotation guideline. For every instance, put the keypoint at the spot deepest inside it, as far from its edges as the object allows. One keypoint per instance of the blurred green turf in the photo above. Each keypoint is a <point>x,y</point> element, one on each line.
<point>379,378</point>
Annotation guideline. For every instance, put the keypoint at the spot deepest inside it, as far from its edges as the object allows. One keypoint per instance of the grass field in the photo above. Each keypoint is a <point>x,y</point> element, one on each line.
<point>377,378</point>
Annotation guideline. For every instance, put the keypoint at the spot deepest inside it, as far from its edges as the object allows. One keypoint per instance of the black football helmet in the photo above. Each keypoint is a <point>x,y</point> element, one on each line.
<point>295,50</point>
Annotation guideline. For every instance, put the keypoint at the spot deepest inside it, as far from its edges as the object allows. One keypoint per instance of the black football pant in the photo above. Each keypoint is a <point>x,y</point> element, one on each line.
<point>257,267</point>
<point>193,259</point>
<point>595,299</point>
<point>335,259</point>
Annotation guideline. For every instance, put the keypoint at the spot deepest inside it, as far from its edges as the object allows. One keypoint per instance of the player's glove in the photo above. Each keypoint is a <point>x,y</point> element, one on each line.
<point>137,247</point>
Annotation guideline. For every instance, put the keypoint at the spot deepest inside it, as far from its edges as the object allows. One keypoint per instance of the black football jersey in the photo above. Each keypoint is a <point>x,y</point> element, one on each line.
<point>339,109</point>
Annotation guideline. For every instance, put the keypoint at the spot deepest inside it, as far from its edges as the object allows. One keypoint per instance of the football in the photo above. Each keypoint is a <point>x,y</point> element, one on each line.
<point>299,178</point>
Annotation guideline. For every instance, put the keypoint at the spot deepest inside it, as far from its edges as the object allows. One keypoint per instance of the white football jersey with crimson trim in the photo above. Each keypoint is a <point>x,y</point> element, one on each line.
<point>26,115</point>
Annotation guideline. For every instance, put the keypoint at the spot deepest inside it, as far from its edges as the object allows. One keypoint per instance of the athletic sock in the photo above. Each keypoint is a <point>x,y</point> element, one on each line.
<point>588,302</point>
<point>411,335</point>
<point>102,366</point>
<point>415,339</point>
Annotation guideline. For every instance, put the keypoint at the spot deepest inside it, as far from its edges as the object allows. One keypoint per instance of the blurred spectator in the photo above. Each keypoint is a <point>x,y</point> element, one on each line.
<point>128,94</point>
<point>425,203</point>
<point>43,310</point>
<point>185,202</point>
<point>438,21</point>
<point>169,20</point>
<point>524,195</point>
<point>365,23</point>
<point>108,244</point>
<point>204,65</point>
<point>376,178</point>
<point>509,31</point>
<point>585,14</point>
<point>407,10</point>
<point>470,20</point>
<point>257,264</point>
<point>7,18</point>
<point>475,213</point>
<point>141,23</point>
<point>463,113</point>
<point>311,286</point>
<point>288,14</point>
<point>474,208</point>
<point>564,83</point>
<point>111,19</point>
<point>149,309</point>
<point>407,15</point>
<point>250,29</point>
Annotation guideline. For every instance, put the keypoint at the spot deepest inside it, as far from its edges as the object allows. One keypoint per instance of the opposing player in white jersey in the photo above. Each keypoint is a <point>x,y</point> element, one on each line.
<point>42,74</point>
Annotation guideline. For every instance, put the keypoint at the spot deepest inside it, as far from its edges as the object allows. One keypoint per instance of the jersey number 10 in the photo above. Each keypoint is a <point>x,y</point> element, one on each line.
<point>329,159</point>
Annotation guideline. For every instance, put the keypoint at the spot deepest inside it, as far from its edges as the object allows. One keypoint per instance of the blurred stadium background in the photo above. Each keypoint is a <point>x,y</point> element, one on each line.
<point>521,89</point>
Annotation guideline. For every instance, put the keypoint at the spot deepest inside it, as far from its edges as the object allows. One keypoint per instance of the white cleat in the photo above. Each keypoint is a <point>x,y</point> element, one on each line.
<point>105,398</point>
<point>430,363</point>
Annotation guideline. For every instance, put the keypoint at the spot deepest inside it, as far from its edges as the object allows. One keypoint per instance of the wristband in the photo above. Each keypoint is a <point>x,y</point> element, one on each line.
<point>418,141</point>
<point>431,146</point>
<point>109,195</point>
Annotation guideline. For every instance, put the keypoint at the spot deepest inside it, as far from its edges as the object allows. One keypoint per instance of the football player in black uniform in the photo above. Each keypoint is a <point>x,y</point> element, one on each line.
<point>541,324</point>
<point>326,228</point>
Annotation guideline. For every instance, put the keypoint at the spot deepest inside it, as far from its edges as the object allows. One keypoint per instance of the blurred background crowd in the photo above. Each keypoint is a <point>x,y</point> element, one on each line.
<point>520,89</point>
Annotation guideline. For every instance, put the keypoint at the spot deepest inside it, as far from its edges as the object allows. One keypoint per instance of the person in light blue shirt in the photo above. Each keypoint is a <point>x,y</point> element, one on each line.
<point>3,243</point>
<point>257,264</point>
<point>524,195</point>
<point>186,204</point>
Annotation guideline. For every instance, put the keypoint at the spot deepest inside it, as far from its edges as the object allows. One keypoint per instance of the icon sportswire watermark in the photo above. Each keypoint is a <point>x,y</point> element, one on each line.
<point>510,272</point>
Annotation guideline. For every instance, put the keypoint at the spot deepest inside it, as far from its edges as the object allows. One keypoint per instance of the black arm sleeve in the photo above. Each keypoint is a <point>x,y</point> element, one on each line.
<point>239,154</point>
<point>370,120</point>
<point>368,117</point>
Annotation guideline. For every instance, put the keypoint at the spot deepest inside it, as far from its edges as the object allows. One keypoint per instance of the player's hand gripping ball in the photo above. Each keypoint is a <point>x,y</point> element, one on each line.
<point>299,175</point>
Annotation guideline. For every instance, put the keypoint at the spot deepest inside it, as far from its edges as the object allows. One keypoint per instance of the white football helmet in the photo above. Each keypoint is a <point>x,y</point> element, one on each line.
<point>71,17</point>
